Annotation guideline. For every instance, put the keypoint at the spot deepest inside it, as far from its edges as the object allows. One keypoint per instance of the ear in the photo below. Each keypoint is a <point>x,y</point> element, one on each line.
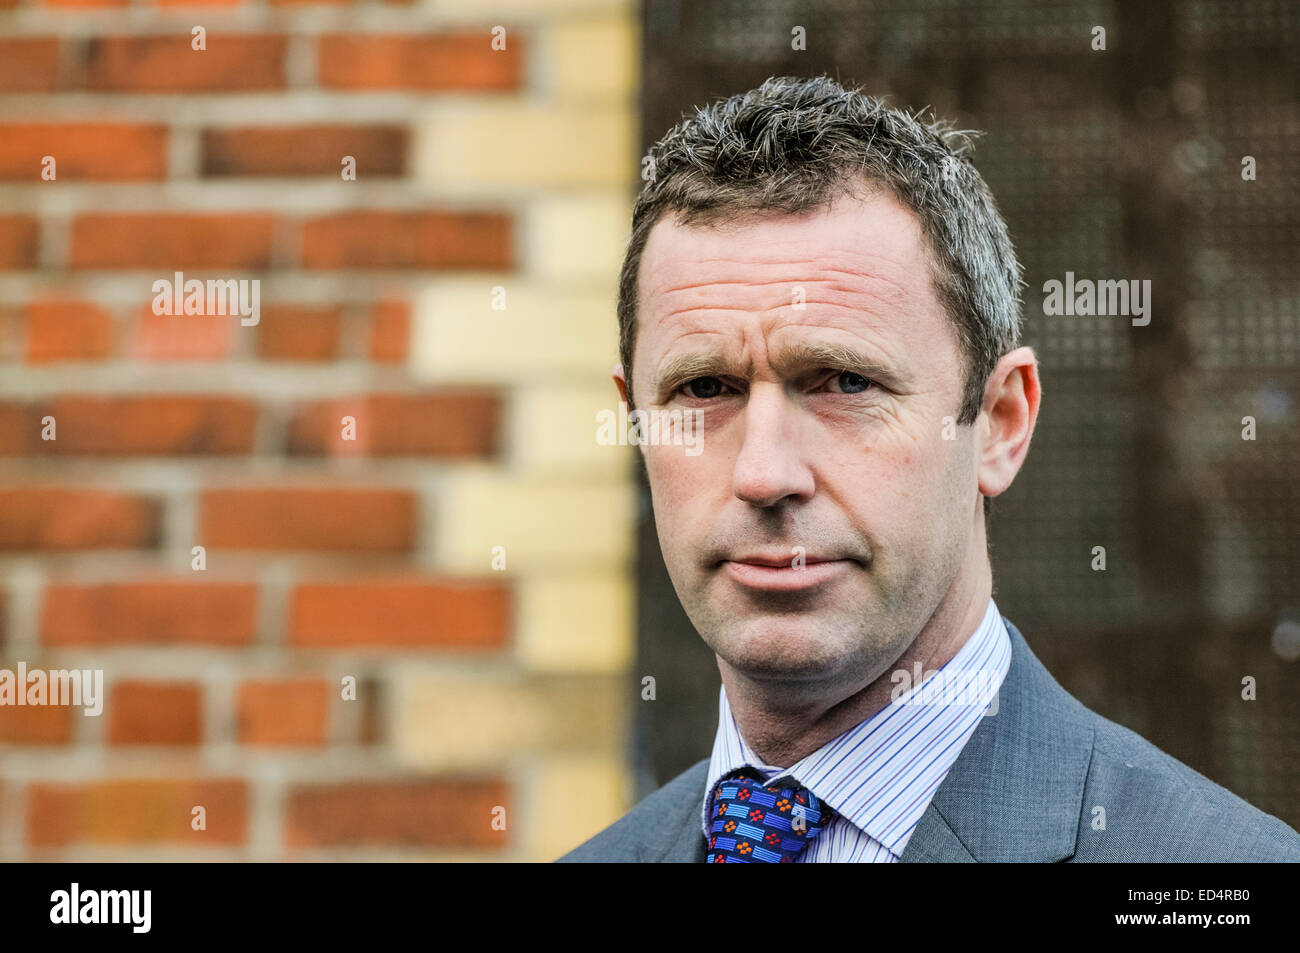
<point>620,381</point>
<point>1007,418</point>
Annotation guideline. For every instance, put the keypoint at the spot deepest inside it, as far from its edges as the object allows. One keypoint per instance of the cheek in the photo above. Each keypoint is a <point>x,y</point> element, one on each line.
<point>675,480</point>
<point>937,469</point>
<point>896,483</point>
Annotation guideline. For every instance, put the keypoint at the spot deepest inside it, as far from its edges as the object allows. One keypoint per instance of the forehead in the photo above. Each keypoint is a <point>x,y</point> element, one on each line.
<point>862,264</point>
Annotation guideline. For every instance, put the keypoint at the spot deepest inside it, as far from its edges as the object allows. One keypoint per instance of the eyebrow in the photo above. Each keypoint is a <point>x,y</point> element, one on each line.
<point>804,356</point>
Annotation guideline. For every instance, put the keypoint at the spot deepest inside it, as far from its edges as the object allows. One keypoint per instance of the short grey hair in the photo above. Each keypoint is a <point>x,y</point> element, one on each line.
<point>793,144</point>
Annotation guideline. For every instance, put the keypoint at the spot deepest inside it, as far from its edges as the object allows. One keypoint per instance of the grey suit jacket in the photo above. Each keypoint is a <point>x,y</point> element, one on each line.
<point>1025,788</point>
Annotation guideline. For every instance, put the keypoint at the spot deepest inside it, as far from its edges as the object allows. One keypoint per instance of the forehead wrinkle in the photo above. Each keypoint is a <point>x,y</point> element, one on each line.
<point>839,293</point>
<point>742,281</point>
<point>866,321</point>
<point>799,240</point>
<point>864,317</point>
<point>844,257</point>
<point>774,311</point>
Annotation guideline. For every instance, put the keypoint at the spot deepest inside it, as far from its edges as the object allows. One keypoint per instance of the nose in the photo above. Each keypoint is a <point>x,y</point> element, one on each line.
<point>770,466</point>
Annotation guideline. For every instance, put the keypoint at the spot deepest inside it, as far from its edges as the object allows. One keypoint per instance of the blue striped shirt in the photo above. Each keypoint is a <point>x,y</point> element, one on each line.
<point>880,775</point>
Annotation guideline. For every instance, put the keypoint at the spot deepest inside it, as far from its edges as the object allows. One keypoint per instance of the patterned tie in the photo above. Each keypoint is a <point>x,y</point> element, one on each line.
<point>762,823</point>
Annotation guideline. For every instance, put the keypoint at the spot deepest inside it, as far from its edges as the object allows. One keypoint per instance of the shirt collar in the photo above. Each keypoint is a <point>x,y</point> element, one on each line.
<point>881,774</point>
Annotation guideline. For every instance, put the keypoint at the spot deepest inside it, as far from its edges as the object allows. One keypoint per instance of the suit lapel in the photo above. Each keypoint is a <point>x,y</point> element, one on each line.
<point>680,838</point>
<point>1015,793</point>
<point>688,847</point>
<point>933,841</point>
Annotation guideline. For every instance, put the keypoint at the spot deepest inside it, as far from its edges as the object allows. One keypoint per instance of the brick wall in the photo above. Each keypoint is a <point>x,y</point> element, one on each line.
<point>462,552</point>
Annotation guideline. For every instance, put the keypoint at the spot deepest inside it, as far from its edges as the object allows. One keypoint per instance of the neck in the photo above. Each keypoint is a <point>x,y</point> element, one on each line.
<point>783,732</point>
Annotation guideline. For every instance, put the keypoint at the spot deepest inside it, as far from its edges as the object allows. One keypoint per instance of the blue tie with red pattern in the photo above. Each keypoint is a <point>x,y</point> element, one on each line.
<point>754,822</point>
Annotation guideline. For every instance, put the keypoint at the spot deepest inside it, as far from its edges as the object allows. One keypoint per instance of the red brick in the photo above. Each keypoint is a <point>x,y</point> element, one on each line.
<point>400,615</point>
<point>418,813</point>
<point>19,429</point>
<point>446,61</point>
<point>183,337</point>
<point>299,334</point>
<point>409,240</point>
<point>304,150</point>
<point>168,63</point>
<point>176,424</point>
<point>29,65</point>
<point>369,697</point>
<point>149,613</point>
<point>143,811</point>
<point>171,241</point>
<point>390,331</point>
<point>84,3</point>
<point>45,518</point>
<point>18,237</point>
<point>284,712</point>
<point>37,724</point>
<point>155,713</point>
<point>104,151</point>
<point>13,334</point>
<point>449,424</point>
<point>63,330</point>
<point>368,521</point>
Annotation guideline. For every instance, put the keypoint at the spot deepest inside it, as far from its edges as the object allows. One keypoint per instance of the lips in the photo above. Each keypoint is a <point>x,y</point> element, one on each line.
<point>766,572</point>
<point>779,561</point>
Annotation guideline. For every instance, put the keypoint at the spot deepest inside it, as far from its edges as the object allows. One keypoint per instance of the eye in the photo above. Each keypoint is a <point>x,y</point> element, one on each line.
<point>849,382</point>
<point>702,388</point>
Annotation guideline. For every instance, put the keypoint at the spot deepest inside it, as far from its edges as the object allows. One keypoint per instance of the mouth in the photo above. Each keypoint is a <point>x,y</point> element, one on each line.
<point>773,575</point>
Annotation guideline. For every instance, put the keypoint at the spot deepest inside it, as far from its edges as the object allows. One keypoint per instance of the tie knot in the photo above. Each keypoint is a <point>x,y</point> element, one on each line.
<point>753,821</point>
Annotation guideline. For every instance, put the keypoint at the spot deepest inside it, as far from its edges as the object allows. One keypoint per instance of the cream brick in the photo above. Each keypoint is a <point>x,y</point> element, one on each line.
<point>542,333</point>
<point>488,145</point>
<point>578,237</point>
<point>573,798</point>
<point>553,431</point>
<point>483,720</point>
<point>593,58</point>
<point>579,624</point>
<point>543,524</point>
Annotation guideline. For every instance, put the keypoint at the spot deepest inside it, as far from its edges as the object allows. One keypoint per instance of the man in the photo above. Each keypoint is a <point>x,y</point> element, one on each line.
<point>826,285</point>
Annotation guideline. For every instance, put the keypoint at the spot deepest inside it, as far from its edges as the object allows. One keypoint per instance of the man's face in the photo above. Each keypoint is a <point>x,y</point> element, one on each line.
<point>823,435</point>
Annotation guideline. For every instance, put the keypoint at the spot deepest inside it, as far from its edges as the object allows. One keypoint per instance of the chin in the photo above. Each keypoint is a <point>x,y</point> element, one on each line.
<point>778,647</point>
